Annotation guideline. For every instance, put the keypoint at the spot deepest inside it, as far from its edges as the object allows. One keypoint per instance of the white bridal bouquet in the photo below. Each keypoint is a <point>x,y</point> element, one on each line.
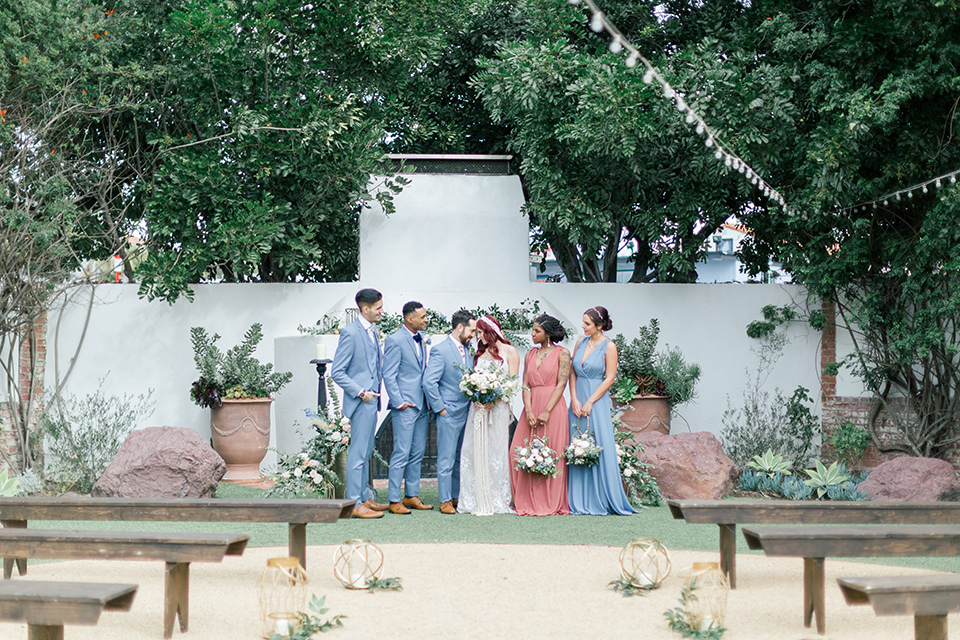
<point>488,386</point>
<point>537,458</point>
<point>583,450</point>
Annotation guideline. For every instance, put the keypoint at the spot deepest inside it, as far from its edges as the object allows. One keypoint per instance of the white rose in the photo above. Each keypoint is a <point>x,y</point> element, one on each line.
<point>286,475</point>
<point>345,420</point>
<point>548,461</point>
<point>318,480</point>
<point>314,463</point>
<point>345,440</point>
<point>524,452</point>
<point>297,472</point>
<point>336,435</point>
<point>627,472</point>
<point>529,463</point>
<point>303,456</point>
<point>578,451</point>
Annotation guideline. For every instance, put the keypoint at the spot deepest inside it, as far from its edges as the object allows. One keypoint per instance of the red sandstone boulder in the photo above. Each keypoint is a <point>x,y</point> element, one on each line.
<point>909,479</point>
<point>688,466</point>
<point>162,462</point>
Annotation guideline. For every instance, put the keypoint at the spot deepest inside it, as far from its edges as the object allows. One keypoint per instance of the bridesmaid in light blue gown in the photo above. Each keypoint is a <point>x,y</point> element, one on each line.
<point>595,490</point>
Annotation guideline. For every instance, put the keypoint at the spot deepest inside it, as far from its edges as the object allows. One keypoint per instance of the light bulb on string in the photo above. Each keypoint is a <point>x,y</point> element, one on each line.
<point>938,185</point>
<point>681,105</point>
<point>648,76</point>
<point>709,142</point>
<point>898,196</point>
<point>668,91</point>
<point>727,161</point>
<point>596,22</point>
<point>909,194</point>
<point>574,1</point>
<point>925,190</point>
<point>632,59</point>
<point>690,118</point>
<point>615,45</point>
<point>718,155</point>
<point>886,203</point>
<point>953,179</point>
<point>701,129</point>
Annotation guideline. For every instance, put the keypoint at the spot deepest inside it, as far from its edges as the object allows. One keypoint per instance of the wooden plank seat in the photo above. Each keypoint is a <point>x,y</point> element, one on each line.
<point>928,598</point>
<point>17,512</point>
<point>177,550</point>
<point>47,606</point>
<point>814,544</point>
<point>727,514</point>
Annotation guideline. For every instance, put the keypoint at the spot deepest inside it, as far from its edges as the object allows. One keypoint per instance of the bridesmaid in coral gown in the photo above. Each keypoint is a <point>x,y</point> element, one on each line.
<point>545,374</point>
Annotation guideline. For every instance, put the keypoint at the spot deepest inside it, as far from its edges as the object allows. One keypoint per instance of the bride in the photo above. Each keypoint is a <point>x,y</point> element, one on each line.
<point>484,458</point>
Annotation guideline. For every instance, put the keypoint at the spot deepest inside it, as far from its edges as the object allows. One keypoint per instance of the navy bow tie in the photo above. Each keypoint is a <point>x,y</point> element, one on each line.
<point>417,337</point>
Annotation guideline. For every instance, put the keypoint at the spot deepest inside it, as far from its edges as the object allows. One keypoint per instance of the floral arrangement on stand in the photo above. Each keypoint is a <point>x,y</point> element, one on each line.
<point>583,450</point>
<point>537,458</point>
<point>642,489</point>
<point>310,471</point>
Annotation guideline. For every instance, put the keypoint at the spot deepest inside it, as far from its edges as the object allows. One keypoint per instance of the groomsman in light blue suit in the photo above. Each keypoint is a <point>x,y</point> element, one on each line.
<point>358,369</point>
<point>441,384</point>
<point>404,361</point>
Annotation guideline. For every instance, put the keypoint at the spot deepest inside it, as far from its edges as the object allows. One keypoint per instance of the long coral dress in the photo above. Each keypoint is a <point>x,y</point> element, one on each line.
<point>536,495</point>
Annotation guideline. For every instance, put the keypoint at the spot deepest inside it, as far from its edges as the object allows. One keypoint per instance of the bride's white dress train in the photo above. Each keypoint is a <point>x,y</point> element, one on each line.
<point>485,456</point>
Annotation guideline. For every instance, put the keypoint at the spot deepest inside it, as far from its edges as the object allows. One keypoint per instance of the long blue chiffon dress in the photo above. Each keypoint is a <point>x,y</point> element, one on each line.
<point>596,490</point>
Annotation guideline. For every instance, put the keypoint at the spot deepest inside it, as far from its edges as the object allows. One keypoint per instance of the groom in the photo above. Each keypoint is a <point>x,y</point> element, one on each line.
<point>441,383</point>
<point>358,369</point>
<point>404,361</point>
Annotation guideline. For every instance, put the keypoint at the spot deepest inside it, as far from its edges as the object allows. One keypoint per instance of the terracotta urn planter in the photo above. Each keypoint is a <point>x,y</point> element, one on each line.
<point>240,431</point>
<point>647,413</point>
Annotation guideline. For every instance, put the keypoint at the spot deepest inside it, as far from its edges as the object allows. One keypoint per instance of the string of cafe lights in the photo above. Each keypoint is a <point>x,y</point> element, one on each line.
<point>619,44</point>
<point>922,188</point>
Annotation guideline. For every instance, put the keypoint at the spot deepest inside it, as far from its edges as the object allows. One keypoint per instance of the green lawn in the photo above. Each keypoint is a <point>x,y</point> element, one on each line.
<point>432,526</point>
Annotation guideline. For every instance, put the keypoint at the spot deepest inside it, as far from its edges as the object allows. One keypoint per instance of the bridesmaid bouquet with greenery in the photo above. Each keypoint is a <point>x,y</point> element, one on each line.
<point>583,450</point>
<point>537,458</point>
<point>485,387</point>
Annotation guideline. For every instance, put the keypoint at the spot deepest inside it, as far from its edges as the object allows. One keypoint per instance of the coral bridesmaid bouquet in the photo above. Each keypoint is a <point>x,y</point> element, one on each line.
<point>537,458</point>
<point>583,450</point>
<point>488,386</point>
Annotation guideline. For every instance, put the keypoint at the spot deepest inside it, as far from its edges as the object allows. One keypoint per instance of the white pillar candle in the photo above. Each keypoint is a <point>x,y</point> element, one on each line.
<point>282,627</point>
<point>321,351</point>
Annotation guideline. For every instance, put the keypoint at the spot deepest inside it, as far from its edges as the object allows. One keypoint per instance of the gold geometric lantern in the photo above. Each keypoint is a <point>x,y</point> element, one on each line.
<point>283,595</point>
<point>644,563</point>
<point>355,562</point>
<point>707,605</point>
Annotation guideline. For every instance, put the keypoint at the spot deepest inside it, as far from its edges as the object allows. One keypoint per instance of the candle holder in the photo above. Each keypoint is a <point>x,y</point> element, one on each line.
<point>355,562</point>
<point>707,606</point>
<point>321,385</point>
<point>644,563</point>
<point>283,596</point>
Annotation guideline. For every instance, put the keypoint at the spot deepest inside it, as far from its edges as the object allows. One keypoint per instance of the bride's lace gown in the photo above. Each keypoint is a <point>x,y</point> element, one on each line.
<point>484,458</point>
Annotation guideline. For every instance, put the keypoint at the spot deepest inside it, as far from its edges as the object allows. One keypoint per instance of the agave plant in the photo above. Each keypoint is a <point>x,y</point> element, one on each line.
<point>8,486</point>
<point>770,463</point>
<point>823,477</point>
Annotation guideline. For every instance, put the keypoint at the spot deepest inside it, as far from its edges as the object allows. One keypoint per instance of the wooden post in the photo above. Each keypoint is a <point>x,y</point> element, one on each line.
<point>44,632</point>
<point>930,627</point>
<point>728,552</point>
<point>8,562</point>
<point>298,542</point>
<point>176,596</point>
<point>814,602</point>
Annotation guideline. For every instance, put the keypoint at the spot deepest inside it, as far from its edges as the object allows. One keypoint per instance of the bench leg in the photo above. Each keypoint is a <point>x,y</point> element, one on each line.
<point>298,542</point>
<point>814,602</point>
<point>930,627</point>
<point>44,632</point>
<point>728,552</point>
<point>8,562</point>
<point>176,597</point>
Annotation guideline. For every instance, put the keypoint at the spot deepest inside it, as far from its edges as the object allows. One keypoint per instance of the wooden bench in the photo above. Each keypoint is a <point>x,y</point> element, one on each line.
<point>47,606</point>
<point>177,550</point>
<point>17,512</point>
<point>727,514</point>
<point>928,598</point>
<point>814,544</point>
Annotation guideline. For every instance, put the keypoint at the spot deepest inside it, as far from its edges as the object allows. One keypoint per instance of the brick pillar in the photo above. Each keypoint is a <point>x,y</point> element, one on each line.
<point>32,360</point>
<point>828,383</point>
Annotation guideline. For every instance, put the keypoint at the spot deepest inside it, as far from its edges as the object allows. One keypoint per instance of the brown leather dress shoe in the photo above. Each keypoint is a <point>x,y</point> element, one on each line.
<point>447,508</point>
<point>363,511</point>
<point>455,502</point>
<point>398,508</point>
<point>376,506</point>
<point>416,503</point>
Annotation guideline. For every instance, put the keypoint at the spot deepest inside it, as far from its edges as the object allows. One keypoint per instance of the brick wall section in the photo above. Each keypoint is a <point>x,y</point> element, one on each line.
<point>34,343</point>
<point>839,409</point>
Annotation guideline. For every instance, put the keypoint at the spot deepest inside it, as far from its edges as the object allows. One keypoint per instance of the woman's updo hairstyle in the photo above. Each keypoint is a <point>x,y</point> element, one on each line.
<point>600,317</point>
<point>552,327</point>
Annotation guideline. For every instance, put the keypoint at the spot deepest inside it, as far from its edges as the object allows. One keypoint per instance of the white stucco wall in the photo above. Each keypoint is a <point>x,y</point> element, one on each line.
<point>455,241</point>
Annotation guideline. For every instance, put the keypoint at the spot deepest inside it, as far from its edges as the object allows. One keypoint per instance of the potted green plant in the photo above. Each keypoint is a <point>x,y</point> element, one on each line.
<point>649,385</point>
<point>237,388</point>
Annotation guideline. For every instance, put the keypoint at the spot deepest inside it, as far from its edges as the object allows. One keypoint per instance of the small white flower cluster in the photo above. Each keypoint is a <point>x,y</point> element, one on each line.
<point>305,466</point>
<point>488,386</point>
<point>537,458</point>
<point>339,431</point>
<point>583,450</point>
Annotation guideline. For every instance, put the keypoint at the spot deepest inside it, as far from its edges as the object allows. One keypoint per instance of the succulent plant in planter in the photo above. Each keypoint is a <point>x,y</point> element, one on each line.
<point>237,389</point>
<point>642,373</point>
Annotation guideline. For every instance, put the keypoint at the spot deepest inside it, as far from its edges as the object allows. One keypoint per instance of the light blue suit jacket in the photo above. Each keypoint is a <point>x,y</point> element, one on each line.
<point>441,380</point>
<point>403,367</point>
<point>357,365</point>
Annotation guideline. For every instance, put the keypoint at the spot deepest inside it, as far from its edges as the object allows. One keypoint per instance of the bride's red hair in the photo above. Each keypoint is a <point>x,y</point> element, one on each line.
<point>490,330</point>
